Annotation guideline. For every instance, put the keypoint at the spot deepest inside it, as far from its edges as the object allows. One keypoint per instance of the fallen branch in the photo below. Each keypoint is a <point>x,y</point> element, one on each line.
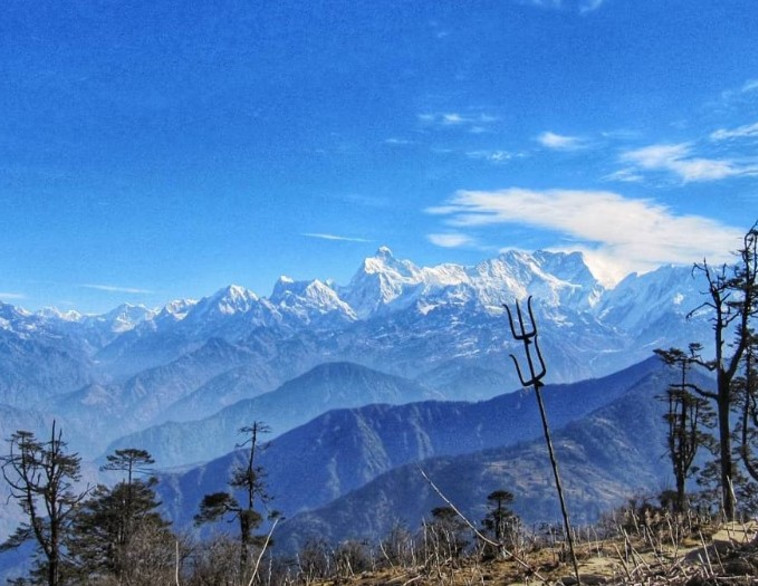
<point>260,555</point>
<point>479,534</point>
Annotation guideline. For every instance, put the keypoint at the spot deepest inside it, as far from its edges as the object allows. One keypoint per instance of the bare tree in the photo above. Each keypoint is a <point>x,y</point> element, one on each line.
<point>447,533</point>
<point>42,477</point>
<point>733,300</point>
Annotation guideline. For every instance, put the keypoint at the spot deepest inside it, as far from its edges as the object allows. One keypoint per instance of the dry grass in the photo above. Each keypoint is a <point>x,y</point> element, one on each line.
<point>714,556</point>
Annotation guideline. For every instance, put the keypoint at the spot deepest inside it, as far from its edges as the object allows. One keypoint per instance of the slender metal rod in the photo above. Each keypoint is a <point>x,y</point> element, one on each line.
<point>558,485</point>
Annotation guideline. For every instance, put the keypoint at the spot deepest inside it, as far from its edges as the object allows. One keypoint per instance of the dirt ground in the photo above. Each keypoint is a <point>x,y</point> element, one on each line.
<point>728,557</point>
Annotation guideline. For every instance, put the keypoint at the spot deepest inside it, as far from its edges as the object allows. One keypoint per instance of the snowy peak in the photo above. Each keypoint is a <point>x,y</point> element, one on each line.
<point>637,299</point>
<point>309,300</point>
<point>285,288</point>
<point>556,278</point>
<point>10,312</point>
<point>124,318</point>
<point>178,309</point>
<point>383,262</point>
<point>383,251</point>
<point>13,318</point>
<point>568,266</point>
<point>283,285</point>
<point>228,301</point>
<point>381,280</point>
<point>71,315</point>
<point>384,282</point>
<point>313,292</point>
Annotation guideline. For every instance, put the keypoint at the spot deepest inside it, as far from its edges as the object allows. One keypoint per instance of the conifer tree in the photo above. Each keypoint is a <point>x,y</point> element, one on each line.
<point>247,479</point>
<point>113,519</point>
<point>687,418</point>
<point>500,520</point>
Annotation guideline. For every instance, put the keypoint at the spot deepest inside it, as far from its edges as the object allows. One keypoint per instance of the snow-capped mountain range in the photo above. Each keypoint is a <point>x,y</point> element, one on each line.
<point>442,326</point>
<point>384,284</point>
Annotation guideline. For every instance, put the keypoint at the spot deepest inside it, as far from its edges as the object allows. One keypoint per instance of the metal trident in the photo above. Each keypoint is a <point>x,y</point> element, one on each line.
<point>528,335</point>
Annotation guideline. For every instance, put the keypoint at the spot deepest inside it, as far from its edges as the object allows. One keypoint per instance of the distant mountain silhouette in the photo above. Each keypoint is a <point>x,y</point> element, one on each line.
<point>325,387</point>
<point>345,449</point>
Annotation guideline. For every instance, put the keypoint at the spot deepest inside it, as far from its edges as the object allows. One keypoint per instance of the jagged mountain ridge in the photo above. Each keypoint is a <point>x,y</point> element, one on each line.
<point>436,325</point>
<point>383,286</point>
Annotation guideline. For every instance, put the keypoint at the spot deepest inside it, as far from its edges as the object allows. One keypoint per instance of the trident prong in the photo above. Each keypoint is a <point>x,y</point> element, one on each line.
<point>524,335</point>
<point>528,337</point>
<point>524,383</point>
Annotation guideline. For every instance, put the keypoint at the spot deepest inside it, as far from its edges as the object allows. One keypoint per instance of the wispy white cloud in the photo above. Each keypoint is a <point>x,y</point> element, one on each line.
<point>116,289</point>
<point>335,237</point>
<point>398,141</point>
<point>14,296</point>
<point>745,131</point>
<point>492,156</point>
<point>626,175</point>
<point>740,95</point>
<point>582,6</point>
<point>560,142</point>
<point>450,239</point>
<point>678,159</point>
<point>476,123</point>
<point>617,234</point>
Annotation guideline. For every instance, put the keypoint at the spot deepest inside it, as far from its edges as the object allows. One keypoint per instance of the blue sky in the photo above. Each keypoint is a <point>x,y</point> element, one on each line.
<point>158,150</point>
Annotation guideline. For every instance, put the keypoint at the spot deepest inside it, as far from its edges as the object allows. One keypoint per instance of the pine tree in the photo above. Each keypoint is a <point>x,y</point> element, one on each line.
<point>247,479</point>
<point>110,524</point>
<point>687,418</point>
<point>500,520</point>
